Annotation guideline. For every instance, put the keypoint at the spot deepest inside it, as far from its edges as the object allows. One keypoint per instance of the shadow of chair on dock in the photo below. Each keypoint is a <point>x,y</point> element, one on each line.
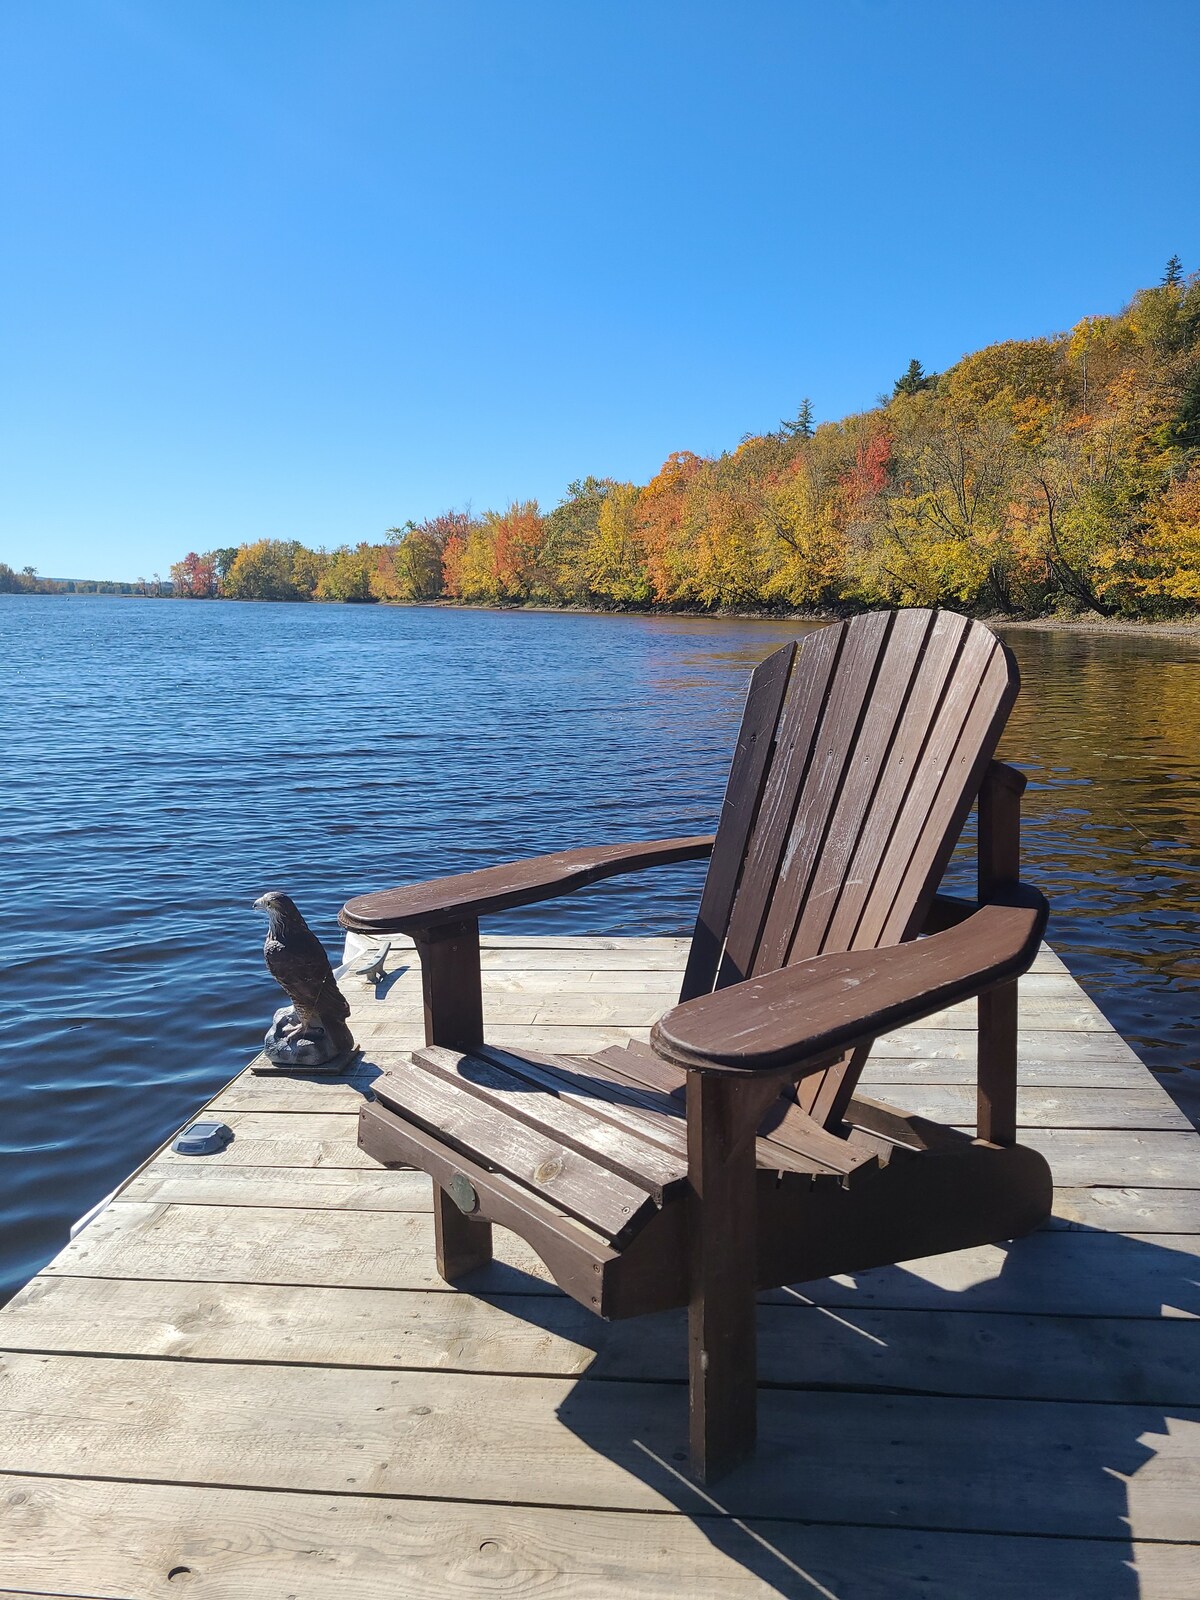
<point>923,1432</point>
<point>885,1470</point>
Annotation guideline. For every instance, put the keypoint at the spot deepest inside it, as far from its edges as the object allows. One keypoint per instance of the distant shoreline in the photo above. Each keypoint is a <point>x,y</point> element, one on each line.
<point>1102,625</point>
<point>1150,627</point>
<point>1145,628</point>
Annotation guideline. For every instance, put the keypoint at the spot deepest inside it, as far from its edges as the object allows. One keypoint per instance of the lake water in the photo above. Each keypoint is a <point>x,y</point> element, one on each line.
<point>164,763</point>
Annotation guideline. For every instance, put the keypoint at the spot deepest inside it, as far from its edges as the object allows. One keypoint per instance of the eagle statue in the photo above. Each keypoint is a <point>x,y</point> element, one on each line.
<point>312,1032</point>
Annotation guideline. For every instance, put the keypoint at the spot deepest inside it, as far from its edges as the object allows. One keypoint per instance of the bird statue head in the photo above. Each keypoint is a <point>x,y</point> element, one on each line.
<point>281,909</point>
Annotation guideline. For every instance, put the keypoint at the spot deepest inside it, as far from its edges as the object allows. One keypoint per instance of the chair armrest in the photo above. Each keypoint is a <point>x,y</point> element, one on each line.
<point>515,883</point>
<point>805,1012</point>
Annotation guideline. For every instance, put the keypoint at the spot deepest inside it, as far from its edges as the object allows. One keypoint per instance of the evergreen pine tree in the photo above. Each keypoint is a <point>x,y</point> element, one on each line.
<point>1173,276</point>
<point>913,379</point>
<point>801,425</point>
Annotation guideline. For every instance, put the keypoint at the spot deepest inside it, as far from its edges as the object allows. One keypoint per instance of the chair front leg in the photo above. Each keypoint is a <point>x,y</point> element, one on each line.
<point>452,995</point>
<point>722,1116</point>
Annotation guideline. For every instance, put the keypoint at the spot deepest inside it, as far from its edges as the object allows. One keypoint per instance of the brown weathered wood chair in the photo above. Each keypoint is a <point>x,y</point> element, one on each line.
<point>732,1154</point>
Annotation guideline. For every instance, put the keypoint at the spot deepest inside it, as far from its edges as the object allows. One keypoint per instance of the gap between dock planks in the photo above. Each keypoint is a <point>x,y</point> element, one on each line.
<point>1023,1412</point>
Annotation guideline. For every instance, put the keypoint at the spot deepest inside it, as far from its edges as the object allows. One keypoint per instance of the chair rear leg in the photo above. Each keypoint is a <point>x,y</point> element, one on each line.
<point>462,1242</point>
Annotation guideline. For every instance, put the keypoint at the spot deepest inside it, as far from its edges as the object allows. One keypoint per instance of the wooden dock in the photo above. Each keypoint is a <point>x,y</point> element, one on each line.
<point>244,1379</point>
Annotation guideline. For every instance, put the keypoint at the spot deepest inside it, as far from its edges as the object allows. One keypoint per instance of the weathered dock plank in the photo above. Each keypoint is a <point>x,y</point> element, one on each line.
<point>1082,1271</point>
<point>245,1380</point>
<point>589,1008</point>
<point>1125,1210</point>
<point>1142,1358</point>
<point>1144,1106</point>
<point>311,1188</point>
<point>232,1542</point>
<point>1151,1158</point>
<point>250,1092</point>
<point>548,1441</point>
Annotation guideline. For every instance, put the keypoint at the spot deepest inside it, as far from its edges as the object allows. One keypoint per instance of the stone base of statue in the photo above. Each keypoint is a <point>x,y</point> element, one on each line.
<point>288,1049</point>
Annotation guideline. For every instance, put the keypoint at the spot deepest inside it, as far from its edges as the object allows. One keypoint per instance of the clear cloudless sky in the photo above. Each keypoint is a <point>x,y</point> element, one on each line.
<point>306,268</point>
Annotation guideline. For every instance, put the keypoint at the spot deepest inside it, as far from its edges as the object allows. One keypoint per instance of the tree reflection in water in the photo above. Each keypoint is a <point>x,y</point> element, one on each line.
<point>1108,730</point>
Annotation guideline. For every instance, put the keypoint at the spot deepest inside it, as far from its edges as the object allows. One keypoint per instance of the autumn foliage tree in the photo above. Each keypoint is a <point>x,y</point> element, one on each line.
<point>1052,475</point>
<point>273,569</point>
<point>195,577</point>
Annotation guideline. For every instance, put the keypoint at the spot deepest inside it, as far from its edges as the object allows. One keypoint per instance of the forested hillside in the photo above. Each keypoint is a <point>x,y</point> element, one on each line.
<point>1036,477</point>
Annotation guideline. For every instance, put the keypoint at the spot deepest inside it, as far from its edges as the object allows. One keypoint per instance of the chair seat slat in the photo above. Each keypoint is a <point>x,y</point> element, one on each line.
<point>577,1185</point>
<point>779,1147</point>
<point>656,1118</point>
<point>562,1115</point>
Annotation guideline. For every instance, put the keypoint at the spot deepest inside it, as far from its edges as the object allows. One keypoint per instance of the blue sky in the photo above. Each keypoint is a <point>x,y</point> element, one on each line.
<point>306,269</point>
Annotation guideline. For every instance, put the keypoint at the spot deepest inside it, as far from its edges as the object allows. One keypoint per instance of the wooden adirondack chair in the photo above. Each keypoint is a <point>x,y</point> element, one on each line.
<point>732,1154</point>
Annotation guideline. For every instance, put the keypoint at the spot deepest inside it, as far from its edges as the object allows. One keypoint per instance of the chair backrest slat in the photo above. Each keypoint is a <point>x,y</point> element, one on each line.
<point>816,803</point>
<point>891,728</point>
<point>858,761</point>
<point>751,763</point>
<point>789,770</point>
<point>944,782</point>
<point>895,783</point>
